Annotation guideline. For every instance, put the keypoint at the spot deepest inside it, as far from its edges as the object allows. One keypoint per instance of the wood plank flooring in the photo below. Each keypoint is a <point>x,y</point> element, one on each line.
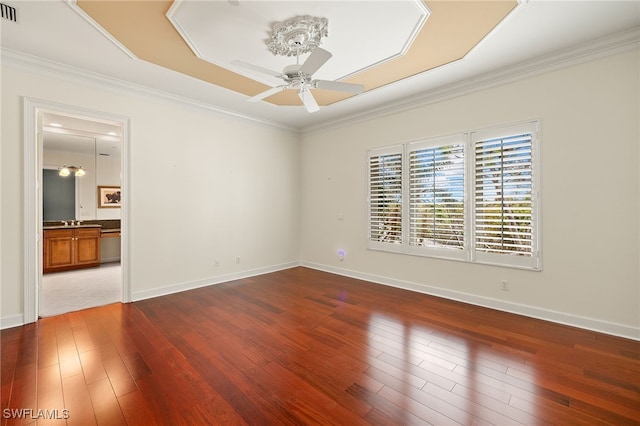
<point>306,347</point>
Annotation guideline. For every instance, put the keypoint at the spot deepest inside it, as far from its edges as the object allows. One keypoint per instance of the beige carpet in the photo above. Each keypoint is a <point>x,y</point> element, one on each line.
<point>80,289</point>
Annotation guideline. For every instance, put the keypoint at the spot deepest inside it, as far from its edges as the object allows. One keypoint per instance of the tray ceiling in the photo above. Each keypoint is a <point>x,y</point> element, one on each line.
<point>374,43</point>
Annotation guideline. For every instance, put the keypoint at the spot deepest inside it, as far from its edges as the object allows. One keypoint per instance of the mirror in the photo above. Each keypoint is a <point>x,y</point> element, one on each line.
<point>78,142</point>
<point>68,197</point>
<point>59,196</point>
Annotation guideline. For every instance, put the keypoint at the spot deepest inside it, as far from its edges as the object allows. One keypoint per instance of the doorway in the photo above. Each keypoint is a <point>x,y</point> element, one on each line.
<point>97,142</point>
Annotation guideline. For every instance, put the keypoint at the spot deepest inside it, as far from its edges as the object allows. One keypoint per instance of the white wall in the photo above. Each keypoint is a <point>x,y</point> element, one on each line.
<point>590,196</point>
<point>203,186</point>
<point>108,173</point>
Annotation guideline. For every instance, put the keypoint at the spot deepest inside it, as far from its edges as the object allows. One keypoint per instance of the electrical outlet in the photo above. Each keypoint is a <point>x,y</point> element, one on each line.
<point>238,259</point>
<point>217,263</point>
<point>504,285</point>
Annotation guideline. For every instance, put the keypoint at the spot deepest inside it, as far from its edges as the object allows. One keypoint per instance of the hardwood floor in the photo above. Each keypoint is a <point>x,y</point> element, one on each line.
<point>306,347</point>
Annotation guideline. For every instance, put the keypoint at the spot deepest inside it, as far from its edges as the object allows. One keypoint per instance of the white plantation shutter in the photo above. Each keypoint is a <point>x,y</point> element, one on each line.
<point>470,197</point>
<point>505,193</point>
<point>385,198</point>
<point>436,197</point>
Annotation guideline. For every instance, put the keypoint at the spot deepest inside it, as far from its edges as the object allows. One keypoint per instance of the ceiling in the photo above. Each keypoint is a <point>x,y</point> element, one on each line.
<point>80,135</point>
<point>396,40</point>
<point>403,51</point>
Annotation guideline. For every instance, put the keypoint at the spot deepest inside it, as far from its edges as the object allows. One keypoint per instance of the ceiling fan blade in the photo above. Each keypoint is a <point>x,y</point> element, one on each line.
<point>338,86</point>
<point>266,93</point>
<point>257,68</point>
<point>308,100</point>
<point>317,59</point>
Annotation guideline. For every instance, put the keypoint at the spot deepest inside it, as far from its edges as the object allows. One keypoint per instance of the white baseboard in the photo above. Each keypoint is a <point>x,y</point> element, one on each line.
<point>501,305</point>
<point>176,288</point>
<point>11,321</point>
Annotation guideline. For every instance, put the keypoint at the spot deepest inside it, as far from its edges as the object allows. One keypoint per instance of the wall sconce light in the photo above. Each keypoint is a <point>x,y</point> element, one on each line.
<point>66,171</point>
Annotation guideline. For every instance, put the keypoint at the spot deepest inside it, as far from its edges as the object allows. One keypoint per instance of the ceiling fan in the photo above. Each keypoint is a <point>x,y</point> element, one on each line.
<point>300,78</point>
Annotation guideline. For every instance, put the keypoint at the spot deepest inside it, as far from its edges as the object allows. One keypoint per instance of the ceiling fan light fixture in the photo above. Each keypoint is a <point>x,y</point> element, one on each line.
<point>297,35</point>
<point>293,37</point>
<point>300,78</point>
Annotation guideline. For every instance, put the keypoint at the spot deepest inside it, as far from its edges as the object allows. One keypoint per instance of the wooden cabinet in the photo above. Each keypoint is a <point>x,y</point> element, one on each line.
<point>71,248</point>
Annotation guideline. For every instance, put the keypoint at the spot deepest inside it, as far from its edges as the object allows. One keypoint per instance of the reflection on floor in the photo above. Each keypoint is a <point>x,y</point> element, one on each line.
<point>80,289</point>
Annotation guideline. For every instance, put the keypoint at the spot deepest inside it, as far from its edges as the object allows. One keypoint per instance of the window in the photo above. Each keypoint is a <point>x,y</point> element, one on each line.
<point>504,196</point>
<point>436,197</point>
<point>471,197</point>
<point>385,197</point>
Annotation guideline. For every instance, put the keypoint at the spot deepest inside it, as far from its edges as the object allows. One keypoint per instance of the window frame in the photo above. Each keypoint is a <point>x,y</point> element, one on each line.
<point>432,251</point>
<point>468,253</point>
<point>375,244</point>
<point>532,262</point>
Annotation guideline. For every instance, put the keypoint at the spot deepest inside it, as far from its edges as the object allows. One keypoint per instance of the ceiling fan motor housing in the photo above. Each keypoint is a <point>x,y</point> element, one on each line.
<point>292,74</point>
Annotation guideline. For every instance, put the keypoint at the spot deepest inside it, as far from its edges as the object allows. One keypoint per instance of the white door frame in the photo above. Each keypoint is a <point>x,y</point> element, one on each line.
<point>33,109</point>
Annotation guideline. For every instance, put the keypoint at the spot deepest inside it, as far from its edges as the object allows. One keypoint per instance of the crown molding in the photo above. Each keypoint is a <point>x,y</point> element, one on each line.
<point>607,46</point>
<point>615,44</point>
<point>73,74</point>
<point>84,15</point>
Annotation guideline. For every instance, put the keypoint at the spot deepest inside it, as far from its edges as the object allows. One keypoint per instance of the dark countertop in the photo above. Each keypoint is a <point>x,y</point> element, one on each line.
<point>107,224</point>
<point>71,226</point>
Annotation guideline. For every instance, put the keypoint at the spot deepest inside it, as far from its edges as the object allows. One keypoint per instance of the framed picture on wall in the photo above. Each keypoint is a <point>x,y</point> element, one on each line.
<point>108,197</point>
